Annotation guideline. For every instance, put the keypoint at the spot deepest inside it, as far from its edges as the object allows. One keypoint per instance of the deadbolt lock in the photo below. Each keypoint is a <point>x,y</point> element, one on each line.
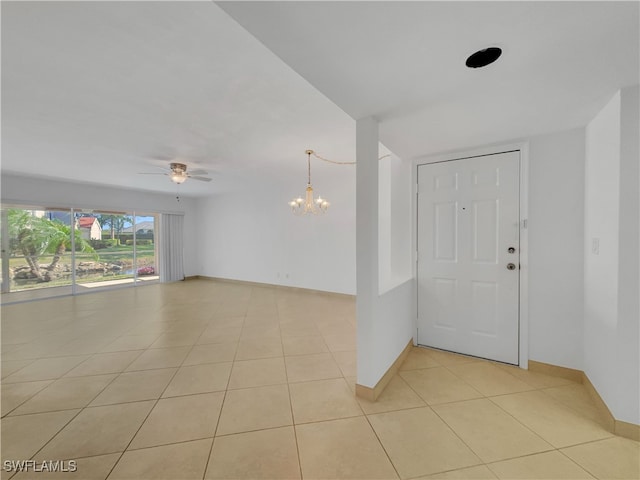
<point>511,266</point>
<point>511,250</point>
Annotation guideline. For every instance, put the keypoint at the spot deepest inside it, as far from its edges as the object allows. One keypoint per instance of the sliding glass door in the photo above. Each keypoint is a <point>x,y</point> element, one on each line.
<point>74,250</point>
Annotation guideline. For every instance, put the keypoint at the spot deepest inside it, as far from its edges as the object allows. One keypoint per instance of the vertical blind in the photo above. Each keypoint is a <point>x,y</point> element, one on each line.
<point>171,248</point>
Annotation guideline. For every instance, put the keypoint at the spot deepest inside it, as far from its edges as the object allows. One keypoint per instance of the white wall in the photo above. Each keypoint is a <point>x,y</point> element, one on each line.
<point>611,340</point>
<point>556,232</point>
<point>601,269</point>
<point>394,220</point>
<point>402,220</point>
<point>628,341</point>
<point>385,321</point>
<point>52,193</point>
<point>251,234</point>
<point>384,224</point>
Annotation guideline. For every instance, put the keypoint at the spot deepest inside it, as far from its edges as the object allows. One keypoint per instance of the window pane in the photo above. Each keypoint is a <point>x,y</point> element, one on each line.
<point>104,257</point>
<point>147,267</point>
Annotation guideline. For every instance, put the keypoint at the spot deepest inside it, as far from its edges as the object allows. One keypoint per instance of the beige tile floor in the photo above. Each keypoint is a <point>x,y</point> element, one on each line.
<point>212,380</point>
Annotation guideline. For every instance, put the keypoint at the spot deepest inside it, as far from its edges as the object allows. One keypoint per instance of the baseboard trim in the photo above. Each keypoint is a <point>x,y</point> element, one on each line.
<point>617,427</point>
<point>608,420</point>
<point>556,371</point>
<point>627,430</point>
<point>372,394</point>
<point>270,285</point>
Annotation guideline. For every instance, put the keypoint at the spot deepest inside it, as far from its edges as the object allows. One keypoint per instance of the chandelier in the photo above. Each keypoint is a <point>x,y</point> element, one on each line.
<point>308,204</point>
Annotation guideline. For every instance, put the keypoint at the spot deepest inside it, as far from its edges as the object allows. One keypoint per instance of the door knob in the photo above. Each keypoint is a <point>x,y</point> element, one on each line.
<point>511,266</point>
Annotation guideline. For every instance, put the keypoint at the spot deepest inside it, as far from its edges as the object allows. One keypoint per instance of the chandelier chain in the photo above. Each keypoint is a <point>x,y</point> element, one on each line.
<point>311,204</point>
<point>342,163</point>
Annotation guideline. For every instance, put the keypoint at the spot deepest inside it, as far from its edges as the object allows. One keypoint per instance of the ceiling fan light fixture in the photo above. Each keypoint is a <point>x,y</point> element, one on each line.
<point>178,177</point>
<point>178,173</point>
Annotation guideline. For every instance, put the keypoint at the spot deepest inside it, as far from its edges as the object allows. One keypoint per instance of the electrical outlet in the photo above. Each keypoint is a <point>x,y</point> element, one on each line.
<point>595,246</point>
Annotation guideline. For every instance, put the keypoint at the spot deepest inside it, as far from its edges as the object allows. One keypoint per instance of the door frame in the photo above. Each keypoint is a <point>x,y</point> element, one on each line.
<point>523,272</point>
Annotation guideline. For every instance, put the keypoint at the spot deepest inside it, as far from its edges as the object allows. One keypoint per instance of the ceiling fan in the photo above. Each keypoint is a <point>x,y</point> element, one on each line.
<point>178,173</point>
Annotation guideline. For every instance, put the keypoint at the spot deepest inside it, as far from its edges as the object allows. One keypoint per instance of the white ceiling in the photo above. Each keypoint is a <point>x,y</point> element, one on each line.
<point>403,62</point>
<point>98,91</point>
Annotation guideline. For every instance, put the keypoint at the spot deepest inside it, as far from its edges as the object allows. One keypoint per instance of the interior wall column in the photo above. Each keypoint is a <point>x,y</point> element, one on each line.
<point>366,245</point>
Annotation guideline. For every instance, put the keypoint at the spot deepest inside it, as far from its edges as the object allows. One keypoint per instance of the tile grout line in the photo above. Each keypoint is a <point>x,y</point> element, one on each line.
<point>530,428</point>
<point>4,380</point>
<point>488,465</point>
<point>224,399</point>
<point>149,412</point>
<point>458,436</point>
<point>583,467</point>
<point>575,409</point>
<point>293,418</point>
<point>395,469</point>
<point>520,422</point>
<point>80,410</point>
<point>364,414</point>
<point>452,402</point>
<point>28,398</point>
<point>58,432</point>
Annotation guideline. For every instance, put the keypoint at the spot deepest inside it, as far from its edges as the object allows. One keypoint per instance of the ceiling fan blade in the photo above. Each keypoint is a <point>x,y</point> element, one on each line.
<point>202,179</point>
<point>198,172</point>
<point>152,173</point>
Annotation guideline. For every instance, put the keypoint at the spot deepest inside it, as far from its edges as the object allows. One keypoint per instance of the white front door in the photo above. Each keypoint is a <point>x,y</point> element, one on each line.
<point>468,256</point>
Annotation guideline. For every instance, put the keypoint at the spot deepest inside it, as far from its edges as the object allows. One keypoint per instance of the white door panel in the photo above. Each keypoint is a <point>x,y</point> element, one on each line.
<point>467,220</point>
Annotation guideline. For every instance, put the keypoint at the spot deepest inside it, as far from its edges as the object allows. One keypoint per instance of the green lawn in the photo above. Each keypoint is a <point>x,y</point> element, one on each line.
<point>125,253</point>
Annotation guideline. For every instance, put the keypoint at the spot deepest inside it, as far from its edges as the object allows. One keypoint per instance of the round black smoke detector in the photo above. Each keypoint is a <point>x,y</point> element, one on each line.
<point>484,57</point>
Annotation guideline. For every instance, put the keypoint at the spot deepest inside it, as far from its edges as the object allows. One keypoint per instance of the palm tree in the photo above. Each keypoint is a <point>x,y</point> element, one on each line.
<point>24,228</point>
<point>35,236</point>
<point>59,235</point>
